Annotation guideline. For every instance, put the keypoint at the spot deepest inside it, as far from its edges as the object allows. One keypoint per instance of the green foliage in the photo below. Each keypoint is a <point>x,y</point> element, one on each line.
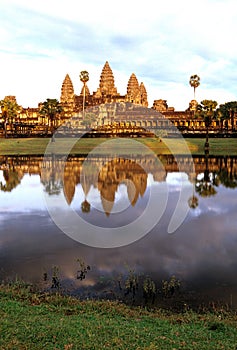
<point>51,108</point>
<point>227,111</point>
<point>83,269</point>
<point>9,108</point>
<point>207,111</point>
<point>149,290</point>
<point>169,288</point>
<point>55,278</point>
<point>131,284</point>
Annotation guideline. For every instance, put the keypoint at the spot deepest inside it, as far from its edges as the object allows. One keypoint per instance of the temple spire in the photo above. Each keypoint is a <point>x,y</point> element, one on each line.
<point>107,86</point>
<point>67,91</point>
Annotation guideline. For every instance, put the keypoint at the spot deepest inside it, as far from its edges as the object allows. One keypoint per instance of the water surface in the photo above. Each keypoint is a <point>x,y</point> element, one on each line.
<point>201,252</point>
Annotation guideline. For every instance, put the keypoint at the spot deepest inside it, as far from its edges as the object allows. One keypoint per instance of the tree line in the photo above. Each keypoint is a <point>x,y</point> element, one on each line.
<point>208,110</point>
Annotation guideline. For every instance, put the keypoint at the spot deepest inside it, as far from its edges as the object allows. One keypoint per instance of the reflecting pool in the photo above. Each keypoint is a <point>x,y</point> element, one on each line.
<point>41,197</point>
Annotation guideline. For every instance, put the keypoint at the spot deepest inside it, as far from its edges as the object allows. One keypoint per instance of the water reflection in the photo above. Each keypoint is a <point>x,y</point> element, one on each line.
<point>106,175</point>
<point>202,252</point>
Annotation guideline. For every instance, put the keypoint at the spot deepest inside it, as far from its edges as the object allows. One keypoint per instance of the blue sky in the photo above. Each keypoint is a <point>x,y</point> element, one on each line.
<point>162,42</point>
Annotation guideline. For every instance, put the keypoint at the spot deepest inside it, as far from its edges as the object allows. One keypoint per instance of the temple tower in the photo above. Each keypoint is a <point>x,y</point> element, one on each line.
<point>136,93</point>
<point>133,90</point>
<point>67,91</point>
<point>106,86</point>
<point>144,101</point>
<point>67,97</point>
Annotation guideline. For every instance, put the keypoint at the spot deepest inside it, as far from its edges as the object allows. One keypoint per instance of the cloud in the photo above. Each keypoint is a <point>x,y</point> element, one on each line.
<point>163,47</point>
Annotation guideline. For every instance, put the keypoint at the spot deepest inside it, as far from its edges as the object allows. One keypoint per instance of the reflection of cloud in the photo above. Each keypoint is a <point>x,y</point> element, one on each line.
<point>202,250</point>
<point>24,198</point>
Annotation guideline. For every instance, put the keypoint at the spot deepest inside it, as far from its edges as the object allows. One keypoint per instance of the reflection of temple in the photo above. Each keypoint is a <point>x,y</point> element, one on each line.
<point>107,174</point>
<point>119,171</point>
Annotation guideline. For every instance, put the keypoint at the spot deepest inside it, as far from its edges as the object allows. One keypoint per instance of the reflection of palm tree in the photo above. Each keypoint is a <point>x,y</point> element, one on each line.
<point>85,206</point>
<point>205,186</point>
<point>193,202</point>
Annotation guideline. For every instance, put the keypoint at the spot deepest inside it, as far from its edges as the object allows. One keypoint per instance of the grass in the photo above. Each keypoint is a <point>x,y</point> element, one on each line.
<point>33,146</point>
<point>42,321</point>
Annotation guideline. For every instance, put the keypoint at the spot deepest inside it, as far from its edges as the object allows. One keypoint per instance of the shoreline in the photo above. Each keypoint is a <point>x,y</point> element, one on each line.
<point>32,320</point>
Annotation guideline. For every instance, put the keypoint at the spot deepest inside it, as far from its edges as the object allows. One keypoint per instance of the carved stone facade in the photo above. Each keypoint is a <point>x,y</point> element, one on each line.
<point>105,93</point>
<point>107,86</point>
<point>113,112</point>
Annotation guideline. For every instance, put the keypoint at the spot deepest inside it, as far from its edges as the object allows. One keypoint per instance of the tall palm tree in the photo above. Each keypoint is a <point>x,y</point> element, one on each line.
<point>207,111</point>
<point>51,108</point>
<point>194,82</point>
<point>10,109</point>
<point>84,77</point>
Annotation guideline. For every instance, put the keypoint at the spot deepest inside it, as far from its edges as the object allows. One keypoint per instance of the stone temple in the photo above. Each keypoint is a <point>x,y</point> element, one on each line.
<point>108,113</point>
<point>105,93</point>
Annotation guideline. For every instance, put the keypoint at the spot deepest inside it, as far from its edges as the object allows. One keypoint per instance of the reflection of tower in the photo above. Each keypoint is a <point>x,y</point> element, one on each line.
<point>69,190</point>
<point>107,195</point>
<point>71,174</point>
<point>116,172</point>
<point>86,185</point>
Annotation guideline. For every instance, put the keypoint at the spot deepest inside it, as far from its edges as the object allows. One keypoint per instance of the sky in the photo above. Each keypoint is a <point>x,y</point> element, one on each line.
<point>162,42</point>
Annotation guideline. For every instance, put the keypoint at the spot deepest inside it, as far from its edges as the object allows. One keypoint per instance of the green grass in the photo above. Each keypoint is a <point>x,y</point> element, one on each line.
<point>41,321</point>
<point>33,146</point>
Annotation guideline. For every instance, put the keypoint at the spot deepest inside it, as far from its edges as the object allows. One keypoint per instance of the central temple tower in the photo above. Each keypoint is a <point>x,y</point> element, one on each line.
<point>106,86</point>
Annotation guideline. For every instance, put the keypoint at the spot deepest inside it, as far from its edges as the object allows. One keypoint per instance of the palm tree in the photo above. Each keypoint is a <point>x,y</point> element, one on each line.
<point>207,111</point>
<point>194,81</point>
<point>51,108</point>
<point>84,77</point>
<point>10,109</point>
